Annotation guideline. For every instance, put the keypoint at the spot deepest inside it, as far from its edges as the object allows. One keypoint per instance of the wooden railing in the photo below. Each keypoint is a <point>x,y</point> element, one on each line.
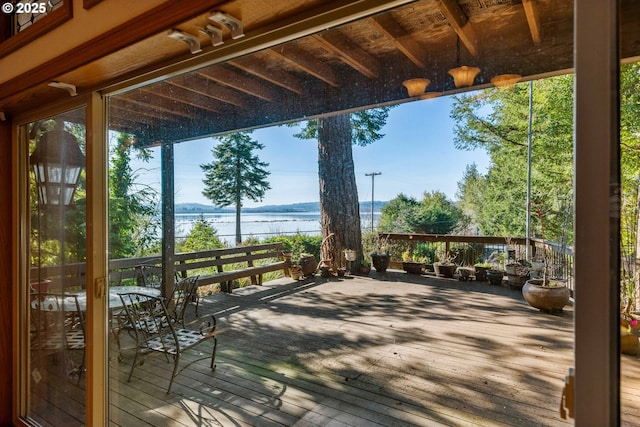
<point>469,250</point>
<point>475,249</point>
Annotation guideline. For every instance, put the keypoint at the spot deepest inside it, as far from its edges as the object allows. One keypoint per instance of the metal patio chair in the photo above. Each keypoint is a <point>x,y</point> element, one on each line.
<point>155,331</point>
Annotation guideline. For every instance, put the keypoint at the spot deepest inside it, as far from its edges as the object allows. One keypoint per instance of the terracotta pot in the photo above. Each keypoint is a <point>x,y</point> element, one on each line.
<point>380,262</point>
<point>545,298</point>
<point>308,264</point>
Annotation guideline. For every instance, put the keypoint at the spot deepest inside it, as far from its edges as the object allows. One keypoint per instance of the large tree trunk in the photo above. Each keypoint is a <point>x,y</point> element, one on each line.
<point>339,206</point>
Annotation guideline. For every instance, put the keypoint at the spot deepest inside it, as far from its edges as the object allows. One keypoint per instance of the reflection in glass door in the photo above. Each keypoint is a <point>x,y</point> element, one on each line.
<point>56,295</point>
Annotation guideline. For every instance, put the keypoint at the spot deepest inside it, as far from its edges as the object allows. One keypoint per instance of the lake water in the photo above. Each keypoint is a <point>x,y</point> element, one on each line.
<point>261,225</point>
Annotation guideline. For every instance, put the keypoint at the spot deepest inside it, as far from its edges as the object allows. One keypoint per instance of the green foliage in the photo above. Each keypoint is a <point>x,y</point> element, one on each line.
<point>434,214</point>
<point>203,236</point>
<point>235,174</point>
<point>132,208</point>
<point>365,126</point>
<point>497,121</point>
<point>299,244</point>
<point>425,252</point>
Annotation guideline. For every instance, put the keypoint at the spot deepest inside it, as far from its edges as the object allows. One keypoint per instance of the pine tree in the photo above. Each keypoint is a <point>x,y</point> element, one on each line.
<point>235,174</point>
<point>339,205</point>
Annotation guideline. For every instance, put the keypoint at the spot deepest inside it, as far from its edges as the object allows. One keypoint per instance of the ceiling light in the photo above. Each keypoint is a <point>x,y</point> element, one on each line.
<point>504,80</point>
<point>192,41</point>
<point>464,75</point>
<point>416,87</point>
<point>232,23</point>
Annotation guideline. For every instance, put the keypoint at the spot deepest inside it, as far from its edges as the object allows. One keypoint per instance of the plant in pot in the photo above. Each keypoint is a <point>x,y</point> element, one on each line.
<point>495,272</point>
<point>381,257</point>
<point>412,264</point>
<point>365,266</point>
<point>465,273</point>
<point>445,266</point>
<point>517,273</point>
<point>481,269</point>
<point>547,294</point>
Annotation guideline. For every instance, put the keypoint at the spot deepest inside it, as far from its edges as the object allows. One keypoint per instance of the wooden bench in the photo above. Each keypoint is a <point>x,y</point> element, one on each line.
<point>224,259</point>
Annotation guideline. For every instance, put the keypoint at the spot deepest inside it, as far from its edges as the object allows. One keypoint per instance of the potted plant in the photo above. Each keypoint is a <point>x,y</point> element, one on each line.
<point>517,273</point>
<point>412,264</point>
<point>495,273</point>
<point>365,266</point>
<point>481,271</point>
<point>445,266</point>
<point>464,273</point>
<point>295,271</point>
<point>381,256</point>
<point>546,294</point>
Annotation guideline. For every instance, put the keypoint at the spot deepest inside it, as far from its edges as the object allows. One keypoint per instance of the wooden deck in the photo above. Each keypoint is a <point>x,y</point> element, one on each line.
<point>385,350</point>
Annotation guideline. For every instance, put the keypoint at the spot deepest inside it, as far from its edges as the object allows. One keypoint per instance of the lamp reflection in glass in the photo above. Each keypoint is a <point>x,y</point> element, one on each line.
<point>416,87</point>
<point>57,162</point>
<point>506,80</point>
<point>464,75</point>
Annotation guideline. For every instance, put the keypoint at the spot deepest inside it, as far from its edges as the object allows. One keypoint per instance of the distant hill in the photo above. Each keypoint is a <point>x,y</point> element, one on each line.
<point>196,208</point>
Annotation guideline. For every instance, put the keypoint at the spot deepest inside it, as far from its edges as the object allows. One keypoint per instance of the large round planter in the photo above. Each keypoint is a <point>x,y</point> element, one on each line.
<point>380,262</point>
<point>495,277</point>
<point>444,270</point>
<point>549,299</point>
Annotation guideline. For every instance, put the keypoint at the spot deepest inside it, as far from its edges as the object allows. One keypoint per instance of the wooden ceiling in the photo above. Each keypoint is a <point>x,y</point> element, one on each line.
<point>355,65</point>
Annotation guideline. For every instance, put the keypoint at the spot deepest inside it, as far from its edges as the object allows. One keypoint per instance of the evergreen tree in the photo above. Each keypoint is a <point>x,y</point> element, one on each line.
<point>497,120</point>
<point>235,174</point>
<point>132,208</point>
<point>339,205</point>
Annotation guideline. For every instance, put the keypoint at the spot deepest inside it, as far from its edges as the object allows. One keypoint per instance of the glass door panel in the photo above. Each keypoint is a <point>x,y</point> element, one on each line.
<point>55,298</point>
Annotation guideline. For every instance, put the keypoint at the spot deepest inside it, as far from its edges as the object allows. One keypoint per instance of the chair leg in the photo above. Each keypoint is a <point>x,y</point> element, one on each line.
<point>176,360</point>
<point>213,353</point>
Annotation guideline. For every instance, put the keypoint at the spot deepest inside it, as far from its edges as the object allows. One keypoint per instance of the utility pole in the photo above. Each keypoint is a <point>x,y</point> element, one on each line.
<point>373,176</point>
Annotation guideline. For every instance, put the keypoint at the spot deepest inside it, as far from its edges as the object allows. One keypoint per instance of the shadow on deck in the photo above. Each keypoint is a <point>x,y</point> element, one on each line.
<point>387,349</point>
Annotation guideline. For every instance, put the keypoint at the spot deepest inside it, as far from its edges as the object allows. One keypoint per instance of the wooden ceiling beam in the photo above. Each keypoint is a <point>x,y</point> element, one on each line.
<point>404,42</point>
<point>460,24</point>
<point>350,53</point>
<point>260,68</point>
<point>307,63</point>
<point>239,82</point>
<point>161,102</point>
<point>533,19</point>
<point>135,108</point>
<point>203,85</point>
<point>131,116</point>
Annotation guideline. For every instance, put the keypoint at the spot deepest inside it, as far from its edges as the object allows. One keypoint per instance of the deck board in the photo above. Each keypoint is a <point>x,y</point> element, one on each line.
<point>384,350</point>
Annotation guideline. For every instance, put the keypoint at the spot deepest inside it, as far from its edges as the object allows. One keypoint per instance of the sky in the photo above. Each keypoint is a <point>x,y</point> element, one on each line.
<point>415,155</point>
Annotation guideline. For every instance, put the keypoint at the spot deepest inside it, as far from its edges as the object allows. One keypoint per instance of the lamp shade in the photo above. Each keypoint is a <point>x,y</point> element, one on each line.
<point>505,80</point>
<point>416,87</point>
<point>57,162</point>
<point>464,75</point>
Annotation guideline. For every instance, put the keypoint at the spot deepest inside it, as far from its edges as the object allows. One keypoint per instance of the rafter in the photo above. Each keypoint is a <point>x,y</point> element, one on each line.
<point>162,102</point>
<point>239,82</point>
<point>260,68</point>
<point>350,53</point>
<point>307,63</point>
<point>202,84</point>
<point>398,35</point>
<point>533,19</point>
<point>460,24</point>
